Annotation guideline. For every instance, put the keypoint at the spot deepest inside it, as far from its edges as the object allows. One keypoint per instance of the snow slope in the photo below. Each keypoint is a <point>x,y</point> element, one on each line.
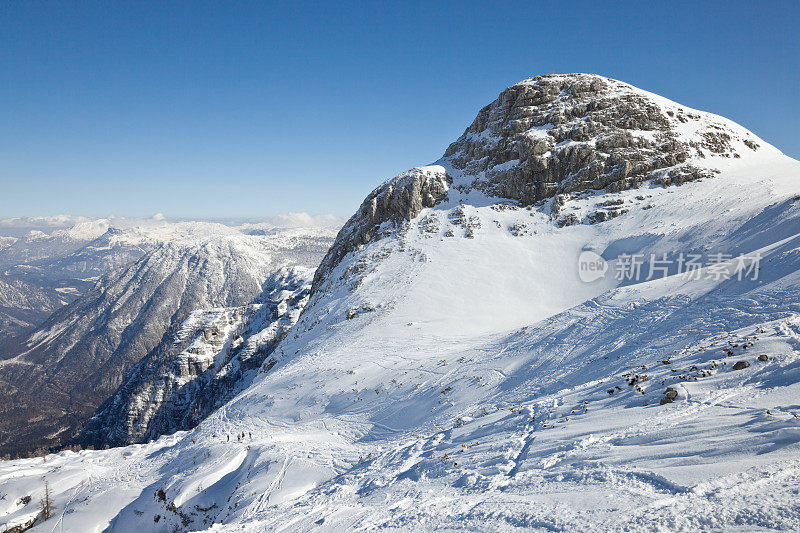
<point>452,371</point>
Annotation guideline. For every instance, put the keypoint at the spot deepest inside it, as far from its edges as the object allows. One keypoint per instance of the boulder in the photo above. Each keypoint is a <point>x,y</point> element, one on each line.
<point>669,396</point>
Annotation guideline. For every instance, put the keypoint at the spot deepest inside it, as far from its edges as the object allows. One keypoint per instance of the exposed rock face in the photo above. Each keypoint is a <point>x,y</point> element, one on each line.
<point>570,133</point>
<point>554,136</point>
<point>398,199</point>
<point>214,355</point>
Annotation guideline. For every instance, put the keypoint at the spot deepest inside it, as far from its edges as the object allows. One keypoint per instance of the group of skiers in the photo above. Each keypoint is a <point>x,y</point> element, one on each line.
<point>241,436</point>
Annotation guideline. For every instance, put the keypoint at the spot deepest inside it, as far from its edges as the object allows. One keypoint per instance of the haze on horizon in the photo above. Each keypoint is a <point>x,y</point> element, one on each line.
<point>213,110</point>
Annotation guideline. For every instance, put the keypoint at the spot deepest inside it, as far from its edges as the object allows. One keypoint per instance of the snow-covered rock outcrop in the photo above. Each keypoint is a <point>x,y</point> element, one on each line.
<point>555,136</point>
<point>572,133</point>
<point>397,200</point>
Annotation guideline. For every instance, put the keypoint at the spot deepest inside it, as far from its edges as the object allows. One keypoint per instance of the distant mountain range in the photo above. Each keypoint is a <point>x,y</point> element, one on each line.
<point>70,347</point>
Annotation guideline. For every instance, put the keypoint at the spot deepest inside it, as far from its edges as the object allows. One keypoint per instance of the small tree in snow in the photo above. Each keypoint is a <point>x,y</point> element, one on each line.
<point>46,504</point>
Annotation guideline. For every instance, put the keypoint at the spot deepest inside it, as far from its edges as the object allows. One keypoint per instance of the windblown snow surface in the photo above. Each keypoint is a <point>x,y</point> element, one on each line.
<point>479,384</point>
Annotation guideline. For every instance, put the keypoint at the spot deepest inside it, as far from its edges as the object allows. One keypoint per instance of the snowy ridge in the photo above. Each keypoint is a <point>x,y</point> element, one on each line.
<point>23,305</point>
<point>453,371</point>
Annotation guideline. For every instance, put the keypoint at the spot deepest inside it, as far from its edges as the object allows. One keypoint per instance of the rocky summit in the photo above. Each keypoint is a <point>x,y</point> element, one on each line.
<point>572,133</point>
<point>555,137</point>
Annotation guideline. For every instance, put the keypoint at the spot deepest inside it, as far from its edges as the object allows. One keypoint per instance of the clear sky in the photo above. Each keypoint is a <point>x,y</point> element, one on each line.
<point>208,109</point>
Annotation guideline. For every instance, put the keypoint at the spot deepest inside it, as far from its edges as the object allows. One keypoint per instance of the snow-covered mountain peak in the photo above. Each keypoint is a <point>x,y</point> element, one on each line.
<point>451,369</point>
<point>562,145</point>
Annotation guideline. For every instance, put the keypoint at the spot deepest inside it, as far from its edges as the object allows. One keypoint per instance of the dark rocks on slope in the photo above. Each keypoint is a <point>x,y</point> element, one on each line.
<point>669,396</point>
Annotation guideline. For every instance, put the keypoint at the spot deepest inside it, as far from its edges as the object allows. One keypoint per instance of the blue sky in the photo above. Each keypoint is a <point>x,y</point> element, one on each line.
<point>211,109</point>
